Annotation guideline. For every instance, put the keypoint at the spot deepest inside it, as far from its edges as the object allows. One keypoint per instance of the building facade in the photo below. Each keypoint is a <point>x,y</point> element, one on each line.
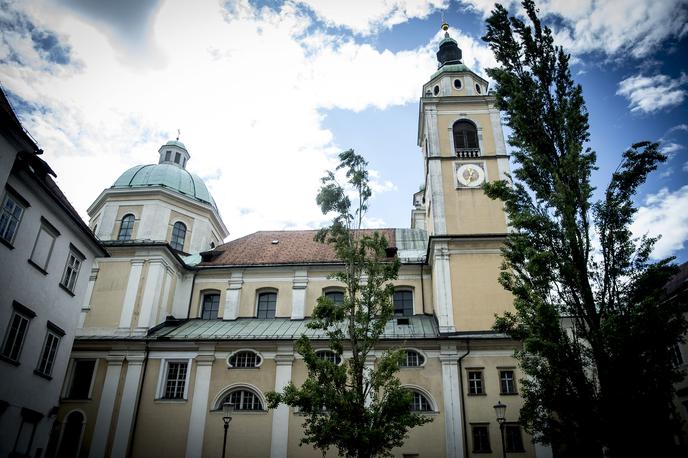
<point>46,253</point>
<point>177,323</point>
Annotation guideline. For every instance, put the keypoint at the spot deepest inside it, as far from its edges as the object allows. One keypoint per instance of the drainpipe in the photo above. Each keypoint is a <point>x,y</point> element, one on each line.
<point>422,288</point>
<point>130,448</point>
<point>191,295</point>
<point>463,400</point>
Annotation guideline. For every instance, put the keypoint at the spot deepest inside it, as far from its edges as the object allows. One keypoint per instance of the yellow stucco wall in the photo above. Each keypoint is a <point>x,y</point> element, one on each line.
<point>108,294</point>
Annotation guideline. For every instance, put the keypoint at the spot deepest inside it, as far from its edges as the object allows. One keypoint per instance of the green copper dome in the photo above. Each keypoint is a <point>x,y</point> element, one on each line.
<point>168,176</point>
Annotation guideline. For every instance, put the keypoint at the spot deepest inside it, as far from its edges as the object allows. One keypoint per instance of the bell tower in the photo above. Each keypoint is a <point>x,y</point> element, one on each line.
<point>461,139</point>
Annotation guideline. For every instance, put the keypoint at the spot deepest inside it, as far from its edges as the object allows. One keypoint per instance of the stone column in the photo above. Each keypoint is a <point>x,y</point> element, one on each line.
<point>441,280</point>
<point>199,406</point>
<point>86,306</point>
<point>280,417</point>
<point>452,401</point>
<point>151,294</point>
<point>130,293</point>
<point>298,295</point>
<point>106,406</point>
<point>127,405</point>
<point>233,296</point>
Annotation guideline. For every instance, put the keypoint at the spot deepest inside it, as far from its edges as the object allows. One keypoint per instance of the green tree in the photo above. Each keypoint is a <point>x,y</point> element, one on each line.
<point>361,412</point>
<point>589,300</point>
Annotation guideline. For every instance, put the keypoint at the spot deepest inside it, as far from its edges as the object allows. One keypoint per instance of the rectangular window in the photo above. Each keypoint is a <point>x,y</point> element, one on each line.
<point>80,379</point>
<point>43,247</point>
<point>71,271</point>
<point>506,382</point>
<point>675,354</point>
<point>177,158</point>
<point>10,217</point>
<point>47,359</point>
<point>167,155</point>
<point>475,382</point>
<point>175,381</point>
<point>16,332</point>
<point>26,432</point>
<point>481,439</point>
<point>513,439</point>
<point>403,303</point>
<point>211,306</point>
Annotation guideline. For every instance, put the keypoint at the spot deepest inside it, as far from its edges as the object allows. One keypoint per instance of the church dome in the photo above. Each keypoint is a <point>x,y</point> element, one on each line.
<point>169,173</point>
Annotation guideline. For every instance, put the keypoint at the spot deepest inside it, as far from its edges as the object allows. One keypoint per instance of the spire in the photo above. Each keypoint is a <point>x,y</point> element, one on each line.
<point>449,52</point>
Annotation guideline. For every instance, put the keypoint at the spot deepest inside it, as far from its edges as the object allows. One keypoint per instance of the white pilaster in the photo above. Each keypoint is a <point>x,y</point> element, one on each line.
<point>199,406</point>
<point>130,293</point>
<point>151,294</point>
<point>106,406</point>
<point>130,393</point>
<point>86,305</point>
<point>452,402</point>
<point>166,286</point>
<point>495,121</point>
<point>280,417</point>
<point>233,296</point>
<point>441,280</point>
<point>439,224</point>
<point>298,295</point>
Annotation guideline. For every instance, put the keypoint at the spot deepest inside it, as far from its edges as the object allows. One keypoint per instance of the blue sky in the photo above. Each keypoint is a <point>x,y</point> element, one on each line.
<point>266,94</point>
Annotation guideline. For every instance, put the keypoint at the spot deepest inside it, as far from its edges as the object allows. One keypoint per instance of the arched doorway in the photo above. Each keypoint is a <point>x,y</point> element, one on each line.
<point>70,443</point>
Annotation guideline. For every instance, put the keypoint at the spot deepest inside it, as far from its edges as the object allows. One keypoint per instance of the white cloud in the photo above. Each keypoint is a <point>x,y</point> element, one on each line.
<point>614,27</point>
<point>664,214</point>
<point>653,93</point>
<point>365,17</point>
<point>670,149</point>
<point>685,167</point>
<point>246,86</point>
<point>683,127</point>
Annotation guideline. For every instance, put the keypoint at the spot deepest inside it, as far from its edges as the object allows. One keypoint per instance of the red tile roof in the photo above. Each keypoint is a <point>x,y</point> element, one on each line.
<point>292,247</point>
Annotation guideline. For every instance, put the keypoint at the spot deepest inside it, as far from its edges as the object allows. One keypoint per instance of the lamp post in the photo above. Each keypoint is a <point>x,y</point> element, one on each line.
<point>227,410</point>
<point>500,410</point>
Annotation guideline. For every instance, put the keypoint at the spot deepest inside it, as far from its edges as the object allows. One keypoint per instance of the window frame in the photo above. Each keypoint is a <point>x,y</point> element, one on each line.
<point>53,334</point>
<point>338,360</point>
<point>18,202</point>
<point>508,445</point>
<point>221,399</point>
<point>175,243</point>
<point>422,359</point>
<point>514,390</point>
<point>25,314</point>
<point>204,295</point>
<point>334,290</point>
<point>265,292</point>
<point>129,230</point>
<point>469,381</point>
<point>403,290</point>
<point>486,427</point>
<point>259,357</point>
<point>66,391</point>
<point>461,140</point>
<point>75,254</point>
<point>54,234</point>
<point>428,397</point>
<point>163,374</point>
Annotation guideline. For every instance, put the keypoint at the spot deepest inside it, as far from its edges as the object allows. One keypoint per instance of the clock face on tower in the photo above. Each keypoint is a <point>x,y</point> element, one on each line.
<point>470,175</point>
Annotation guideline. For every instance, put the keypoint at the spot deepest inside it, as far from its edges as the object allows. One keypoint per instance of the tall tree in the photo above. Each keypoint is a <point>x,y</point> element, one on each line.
<point>589,300</point>
<point>360,411</point>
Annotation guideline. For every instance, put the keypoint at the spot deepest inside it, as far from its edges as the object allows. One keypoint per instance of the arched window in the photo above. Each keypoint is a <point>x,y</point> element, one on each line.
<point>244,359</point>
<point>126,228</point>
<point>466,139</point>
<point>267,304</point>
<point>335,295</point>
<point>419,403</point>
<point>412,358</point>
<point>211,306</point>
<point>329,355</point>
<point>178,236</point>
<point>403,302</point>
<point>243,399</point>
<point>71,435</point>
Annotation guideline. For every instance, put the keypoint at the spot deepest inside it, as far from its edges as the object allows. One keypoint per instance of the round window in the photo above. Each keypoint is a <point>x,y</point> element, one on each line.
<point>436,90</point>
<point>477,88</point>
<point>457,83</point>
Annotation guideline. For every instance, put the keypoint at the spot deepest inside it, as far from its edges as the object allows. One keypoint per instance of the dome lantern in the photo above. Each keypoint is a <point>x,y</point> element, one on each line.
<point>175,153</point>
<point>449,52</point>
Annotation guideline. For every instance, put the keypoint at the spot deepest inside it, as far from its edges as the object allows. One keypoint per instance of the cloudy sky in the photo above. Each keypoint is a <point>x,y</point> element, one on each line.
<point>266,93</point>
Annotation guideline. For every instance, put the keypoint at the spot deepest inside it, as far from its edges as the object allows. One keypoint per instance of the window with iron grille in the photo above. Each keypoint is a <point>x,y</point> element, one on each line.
<point>513,439</point>
<point>329,355</point>
<point>10,217</point>
<point>71,272</point>
<point>47,359</point>
<point>475,382</point>
<point>243,359</point>
<point>403,303</point>
<point>126,227</point>
<point>481,439</point>
<point>267,304</point>
<point>420,403</point>
<point>178,236</point>
<point>412,359</point>
<point>507,382</point>
<point>243,400</point>
<point>211,306</point>
<point>175,381</point>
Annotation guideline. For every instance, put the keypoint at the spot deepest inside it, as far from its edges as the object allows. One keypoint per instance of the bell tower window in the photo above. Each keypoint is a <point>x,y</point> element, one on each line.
<point>465,139</point>
<point>178,236</point>
<point>168,153</point>
<point>177,157</point>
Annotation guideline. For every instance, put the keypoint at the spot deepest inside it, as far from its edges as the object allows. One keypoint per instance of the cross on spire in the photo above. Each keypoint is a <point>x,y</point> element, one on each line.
<point>179,132</point>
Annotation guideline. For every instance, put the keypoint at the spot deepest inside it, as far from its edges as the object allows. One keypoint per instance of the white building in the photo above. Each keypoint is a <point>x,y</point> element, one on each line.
<point>46,253</point>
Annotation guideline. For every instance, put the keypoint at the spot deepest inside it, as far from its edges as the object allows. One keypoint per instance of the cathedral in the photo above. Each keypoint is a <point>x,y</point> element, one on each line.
<point>175,322</point>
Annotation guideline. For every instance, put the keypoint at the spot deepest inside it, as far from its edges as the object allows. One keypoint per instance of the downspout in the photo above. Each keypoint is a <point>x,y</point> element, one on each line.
<point>463,401</point>
<point>191,295</point>
<point>422,289</point>
<point>130,448</point>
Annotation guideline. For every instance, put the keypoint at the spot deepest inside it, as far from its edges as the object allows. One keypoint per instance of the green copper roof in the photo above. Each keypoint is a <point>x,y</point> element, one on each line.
<point>451,68</point>
<point>175,143</point>
<point>446,39</point>
<point>168,176</point>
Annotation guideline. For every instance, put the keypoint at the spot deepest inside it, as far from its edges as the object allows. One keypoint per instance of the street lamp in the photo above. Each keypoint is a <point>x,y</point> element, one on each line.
<point>500,410</point>
<point>227,410</point>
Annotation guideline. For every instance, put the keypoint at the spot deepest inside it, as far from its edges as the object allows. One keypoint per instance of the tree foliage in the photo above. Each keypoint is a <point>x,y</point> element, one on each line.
<point>361,411</point>
<point>589,300</point>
